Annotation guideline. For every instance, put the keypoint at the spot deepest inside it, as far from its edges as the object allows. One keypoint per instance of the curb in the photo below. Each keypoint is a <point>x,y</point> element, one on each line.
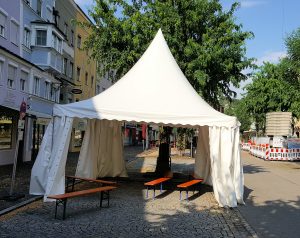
<point>246,224</point>
<point>21,204</point>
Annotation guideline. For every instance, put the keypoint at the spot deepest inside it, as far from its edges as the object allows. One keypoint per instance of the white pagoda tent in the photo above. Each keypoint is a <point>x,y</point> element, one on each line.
<point>163,96</point>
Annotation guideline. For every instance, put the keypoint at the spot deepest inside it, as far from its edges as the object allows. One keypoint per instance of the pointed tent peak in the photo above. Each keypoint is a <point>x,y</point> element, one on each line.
<point>153,90</point>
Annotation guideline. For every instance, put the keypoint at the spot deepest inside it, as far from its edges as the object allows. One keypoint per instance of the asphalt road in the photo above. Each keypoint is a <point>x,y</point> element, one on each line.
<point>272,196</point>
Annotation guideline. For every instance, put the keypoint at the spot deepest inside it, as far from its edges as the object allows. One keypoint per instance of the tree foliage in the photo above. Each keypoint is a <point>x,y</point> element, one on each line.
<point>238,108</point>
<point>206,42</point>
<point>276,87</point>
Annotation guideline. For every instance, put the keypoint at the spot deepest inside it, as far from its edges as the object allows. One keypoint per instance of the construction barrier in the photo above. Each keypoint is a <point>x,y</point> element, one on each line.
<point>281,154</point>
<point>259,151</point>
<point>246,146</point>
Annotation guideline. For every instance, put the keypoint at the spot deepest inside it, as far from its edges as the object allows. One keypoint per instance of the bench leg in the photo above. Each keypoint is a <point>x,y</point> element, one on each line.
<point>180,194</point>
<point>160,188</point>
<point>56,204</point>
<point>65,204</point>
<point>101,199</point>
<point>153,193</point>
<point>147,192</point>
<point>187,194</point>
<point>108,198</point>
<point>73,183</point>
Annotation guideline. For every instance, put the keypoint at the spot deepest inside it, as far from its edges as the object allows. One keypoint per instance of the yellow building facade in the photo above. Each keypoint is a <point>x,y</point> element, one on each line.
<point>84,76</point>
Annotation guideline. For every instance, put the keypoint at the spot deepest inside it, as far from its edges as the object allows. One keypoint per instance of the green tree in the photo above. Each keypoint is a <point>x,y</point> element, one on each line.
<point>269,92</point>
<point>238,108</point>
<point>206,42</point>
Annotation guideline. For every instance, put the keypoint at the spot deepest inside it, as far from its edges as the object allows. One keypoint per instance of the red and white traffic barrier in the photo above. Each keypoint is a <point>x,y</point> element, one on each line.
<point>246,146</point>
<point>283,154</point>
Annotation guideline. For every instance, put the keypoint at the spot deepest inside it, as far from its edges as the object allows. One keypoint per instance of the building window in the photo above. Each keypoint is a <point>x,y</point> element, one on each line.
<point>47,90</point>
<point>78,74</point>
<point>12,71</point>
<point>66,30</point>
<point>65,62</point>
<point>2,24</point>
<point>49,14</point>
<point>56,42</point>
<point>78,42</point>
<point>23,80</point>
<point>6,129</point>
<point>53,93</point>
<point>36,86</point>
<point>86,78</point>
<point>92,81</point>
<point>14,33</point>
<point>22,84</point>
<point>72,38</point>
<point>71,70</point>
<point>39,7</point>
<point>41,37</point>
<point>26,37</point>
<point>1,72</point>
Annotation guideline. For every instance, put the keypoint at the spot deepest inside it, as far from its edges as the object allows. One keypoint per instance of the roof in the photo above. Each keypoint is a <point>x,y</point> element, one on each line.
<point>154,90</point>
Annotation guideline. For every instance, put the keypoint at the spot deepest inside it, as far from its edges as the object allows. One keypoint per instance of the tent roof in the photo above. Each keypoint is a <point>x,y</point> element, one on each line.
<point>154,90</point>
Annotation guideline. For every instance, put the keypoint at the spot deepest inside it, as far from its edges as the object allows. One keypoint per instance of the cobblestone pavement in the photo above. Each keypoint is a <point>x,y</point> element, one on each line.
<point>23,173</point>
<point>130,215</point>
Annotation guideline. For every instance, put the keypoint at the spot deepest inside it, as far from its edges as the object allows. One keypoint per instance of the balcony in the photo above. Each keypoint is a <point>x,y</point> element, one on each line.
<point>68,49</point>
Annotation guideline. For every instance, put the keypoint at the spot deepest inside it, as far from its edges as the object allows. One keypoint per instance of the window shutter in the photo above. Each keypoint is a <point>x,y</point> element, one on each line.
<point>11,72</point>
<point>24,75</point>
<point>2,19</point>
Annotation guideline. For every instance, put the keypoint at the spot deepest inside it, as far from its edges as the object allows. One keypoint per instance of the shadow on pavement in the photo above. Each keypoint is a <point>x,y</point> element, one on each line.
<point>129,215</point>
<point>252,169</point>
<point>269,219</point>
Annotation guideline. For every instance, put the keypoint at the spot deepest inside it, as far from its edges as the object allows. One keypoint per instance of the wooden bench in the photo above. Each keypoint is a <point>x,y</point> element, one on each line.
<point>61,199</point>
<point>155,182</point>
<point>99,181</point>
<point>188,185</point>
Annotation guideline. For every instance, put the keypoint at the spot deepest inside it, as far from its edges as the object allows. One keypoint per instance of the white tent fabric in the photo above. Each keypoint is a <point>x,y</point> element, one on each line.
<point>48,172</point>
<point>101,154</point>
<point>154,91</point>
<point>162,95</point>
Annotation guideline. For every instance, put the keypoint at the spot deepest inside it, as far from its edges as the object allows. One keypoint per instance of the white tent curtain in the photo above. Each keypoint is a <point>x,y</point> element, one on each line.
<point>226,166</point>
<point>101,154</point>
<point>39,173</point>
<point>238,174</point>
<point>48,173</point>
<point>202,167</point>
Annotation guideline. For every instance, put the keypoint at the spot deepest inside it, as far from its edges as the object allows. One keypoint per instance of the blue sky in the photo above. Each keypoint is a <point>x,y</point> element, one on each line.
<point>270,21</point>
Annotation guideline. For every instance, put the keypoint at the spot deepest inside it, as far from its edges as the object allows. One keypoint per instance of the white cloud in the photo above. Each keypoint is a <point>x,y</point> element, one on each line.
<point>250,4</point>
<point>271,57</point>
